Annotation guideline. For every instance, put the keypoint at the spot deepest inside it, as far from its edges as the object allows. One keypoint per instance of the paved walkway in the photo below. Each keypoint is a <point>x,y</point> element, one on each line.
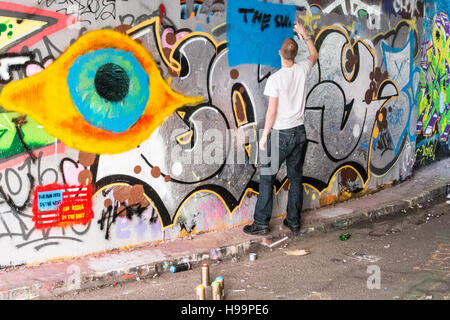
<point>27,282</point>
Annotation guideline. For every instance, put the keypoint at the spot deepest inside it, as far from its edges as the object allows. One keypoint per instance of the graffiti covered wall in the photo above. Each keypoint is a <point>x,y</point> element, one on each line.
<point>127,123</point>
<point>433,124</point>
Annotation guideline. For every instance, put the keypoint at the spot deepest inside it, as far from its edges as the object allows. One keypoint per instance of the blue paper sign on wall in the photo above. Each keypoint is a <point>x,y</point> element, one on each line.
<point>256,30</point>
<point>49,200</point>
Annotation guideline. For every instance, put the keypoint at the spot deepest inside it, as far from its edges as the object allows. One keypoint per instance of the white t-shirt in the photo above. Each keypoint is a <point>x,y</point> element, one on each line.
<point>289,86</point>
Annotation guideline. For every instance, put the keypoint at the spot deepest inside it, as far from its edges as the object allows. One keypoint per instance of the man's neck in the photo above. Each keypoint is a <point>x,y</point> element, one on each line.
<point>286,63</point>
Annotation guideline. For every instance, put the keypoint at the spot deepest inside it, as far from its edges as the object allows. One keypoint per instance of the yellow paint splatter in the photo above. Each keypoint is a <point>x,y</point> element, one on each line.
<point>308,20</point>
<point>376,132</point>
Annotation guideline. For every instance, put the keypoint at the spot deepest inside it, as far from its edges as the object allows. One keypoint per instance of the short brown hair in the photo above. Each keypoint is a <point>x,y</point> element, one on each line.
<point>289,49</point>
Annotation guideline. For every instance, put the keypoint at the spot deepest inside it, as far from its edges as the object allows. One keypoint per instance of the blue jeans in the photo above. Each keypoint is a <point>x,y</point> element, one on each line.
<point>289,146</point>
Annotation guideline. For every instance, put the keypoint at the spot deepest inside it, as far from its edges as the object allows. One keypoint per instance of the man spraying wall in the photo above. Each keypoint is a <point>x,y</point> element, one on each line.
<point>284,127</point>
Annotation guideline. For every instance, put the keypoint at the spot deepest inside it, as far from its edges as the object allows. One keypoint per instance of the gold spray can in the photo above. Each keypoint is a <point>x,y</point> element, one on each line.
<point>222,288</point>
<point>200,292</point>
<point>205,275</point>
<point>216,291</point>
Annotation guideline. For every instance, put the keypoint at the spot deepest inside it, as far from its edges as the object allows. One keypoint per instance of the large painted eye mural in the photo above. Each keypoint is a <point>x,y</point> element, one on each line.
<point>105,94</point>
<point>109,88</point>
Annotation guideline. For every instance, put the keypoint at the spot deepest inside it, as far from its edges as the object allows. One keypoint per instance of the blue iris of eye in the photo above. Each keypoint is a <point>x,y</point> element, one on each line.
<point>109,88</point>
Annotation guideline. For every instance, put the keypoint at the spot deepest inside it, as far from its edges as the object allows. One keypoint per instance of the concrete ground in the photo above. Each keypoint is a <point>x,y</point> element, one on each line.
<point>429,185</point>
<point>410,254</point>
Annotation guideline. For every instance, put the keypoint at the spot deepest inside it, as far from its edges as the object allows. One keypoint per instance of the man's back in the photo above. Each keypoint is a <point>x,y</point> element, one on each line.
<point>286,89</point>
<point>289,85</point>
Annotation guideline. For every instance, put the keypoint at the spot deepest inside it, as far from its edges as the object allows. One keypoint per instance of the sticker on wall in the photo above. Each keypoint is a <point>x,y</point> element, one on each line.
<point>56,205</point>
<point>105,94</point>
<point>256,30</point>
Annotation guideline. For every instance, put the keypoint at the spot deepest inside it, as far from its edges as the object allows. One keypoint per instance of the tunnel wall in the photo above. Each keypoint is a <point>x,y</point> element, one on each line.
<point>183,161</point>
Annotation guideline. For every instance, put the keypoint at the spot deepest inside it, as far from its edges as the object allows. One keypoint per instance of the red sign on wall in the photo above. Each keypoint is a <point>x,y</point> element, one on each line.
<point>56,205</point>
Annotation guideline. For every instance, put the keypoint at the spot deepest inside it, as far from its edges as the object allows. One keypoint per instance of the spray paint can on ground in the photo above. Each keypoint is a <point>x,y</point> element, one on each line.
<point>180,267</point>
<point>216,291</point>
<point>220,280</point>
<point>205,275</point>
<point>200,292</point>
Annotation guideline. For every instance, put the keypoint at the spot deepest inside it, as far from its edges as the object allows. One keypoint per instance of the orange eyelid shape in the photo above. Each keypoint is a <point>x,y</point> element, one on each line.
<point>46,98</point>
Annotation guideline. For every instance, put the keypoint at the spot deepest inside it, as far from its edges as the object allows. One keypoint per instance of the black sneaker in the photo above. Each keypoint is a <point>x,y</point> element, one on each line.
<point>294,230</point>
<point>254,229</point>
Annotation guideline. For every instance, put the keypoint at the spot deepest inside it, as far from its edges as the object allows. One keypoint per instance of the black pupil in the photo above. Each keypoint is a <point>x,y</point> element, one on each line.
<point>112,82</point>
